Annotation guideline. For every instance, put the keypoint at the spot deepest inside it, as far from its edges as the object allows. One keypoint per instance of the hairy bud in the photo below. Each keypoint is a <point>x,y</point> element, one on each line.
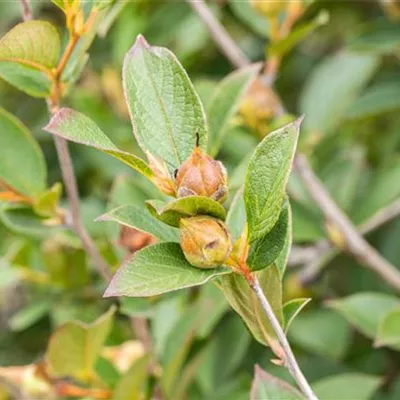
<point>201,175</point>
<point>205,241</point>
<point>269,8</point>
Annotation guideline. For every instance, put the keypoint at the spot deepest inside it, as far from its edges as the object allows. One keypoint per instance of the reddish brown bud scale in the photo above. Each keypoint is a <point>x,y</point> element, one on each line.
<point>201,175</point>
<point>205,241</point>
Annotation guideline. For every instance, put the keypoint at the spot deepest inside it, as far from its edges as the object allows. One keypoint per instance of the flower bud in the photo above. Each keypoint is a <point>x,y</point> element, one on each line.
<point>205,241</point>
<point>201,175</point>
<point>269,8</point>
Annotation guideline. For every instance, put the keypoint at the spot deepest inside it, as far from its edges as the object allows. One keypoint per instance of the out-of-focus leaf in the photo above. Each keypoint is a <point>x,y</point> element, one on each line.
<point>243,300</point>
<point>131,384</point>
<point>190,206</point>
<point>379,99</point>
<point>75,347</point>
<point>254,20</point>
<point>265,250</point>
<point>158,269</point>
<point>225,102</point>
<point>306,225</point>
<point>139,218</point>
<point>236,217</point>
<point>389,330</point>
<point>29,315</point>
<point>328,95</point>
<point>165,110</point>
<point>266,179</point>
<point>365,310</point>
<point>347,386</point>
<point>45,204</point>
<point>78,128</point>
<point>321,332</point>
<point>267,387</point>
<point>22,164</point>
<point>291,309</point>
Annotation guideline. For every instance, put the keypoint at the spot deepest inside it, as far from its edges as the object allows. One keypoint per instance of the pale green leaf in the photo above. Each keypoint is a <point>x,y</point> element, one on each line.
<point>266,179</point>
<point>236,217</point>
<point>158,269</point>
<point>291,309</point>
<point>365,310</point>
<point>29,315</point>
<point>321,332</point>
<point>75,346</point>
<point>265,250</point>
<point>22,164</point>
<point>190,206</point>
<point>78,128</point>
<point>225,102</point>
<point>243,300</point>
<point>45,204</point>
<point>389,330</point>
<point>347,386</point>
<point>131,385</point>
<point>268,387</point>
<point>139,218</point>
<point>32,43</point>
<point>328,94</point>
<point>165,110</point>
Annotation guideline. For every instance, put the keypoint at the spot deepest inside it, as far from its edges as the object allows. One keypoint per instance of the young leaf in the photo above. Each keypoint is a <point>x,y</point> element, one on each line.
<point>236,217</point>
<point>389,330</point>
<point>24,61</point>
<point>45,204</point>
<point>266,179</point>
<point>268,387</point>
<point>165,110</point>
<point>78,128</point>
<point>347,386</point>
<point>158,269</point>
<point>225,102</point>
<point>139,218</point>
<point>365,310</point>
<point>327,95</point>
<point>190,206</point>
<point>265,250</point>
<point>22,165</point>
<point>75,347</point>
<point>131,385</point>
<point>291,309</point>
<point>243,300</point>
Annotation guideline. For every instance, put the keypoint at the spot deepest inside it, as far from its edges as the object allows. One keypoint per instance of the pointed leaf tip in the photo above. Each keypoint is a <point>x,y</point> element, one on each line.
<point>140,43</point>
<point>60,115</point>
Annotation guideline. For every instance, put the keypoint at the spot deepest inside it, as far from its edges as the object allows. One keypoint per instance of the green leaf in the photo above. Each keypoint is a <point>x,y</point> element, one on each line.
<point>291,309</point>
<point>22,164</point>
<point>379,99</point>
<point>266,179</point>
<point>265,250</point>
<point>158,269</point>
<point>131,385</point>
<point>31,81</point>
<point>243,300</point>
<point>32,43</point>
<point>365,310</point>
<point>75,346</point>
<point>185,207</point>
<point>225,102</point>
<point>328,95</point>
<point>78,128</point>
<point>46,203</point>
<point>165,110</point>
<point>29,315</point>
<point>236,217</point>
<point>267,387</point>
<point>347,386</point>
<point>139,218</point>
<point>389,330</point>
<point>321,332</point>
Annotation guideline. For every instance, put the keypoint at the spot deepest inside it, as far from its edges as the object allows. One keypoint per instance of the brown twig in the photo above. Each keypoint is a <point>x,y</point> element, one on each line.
<point>26,8</point>
<point>353,242</point>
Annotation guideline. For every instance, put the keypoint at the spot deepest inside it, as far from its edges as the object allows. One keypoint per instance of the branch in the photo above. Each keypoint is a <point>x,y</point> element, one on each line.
<point>354,243</point>
<point>290,360</point>
<point>219,34</point>
<point>27,14</point>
